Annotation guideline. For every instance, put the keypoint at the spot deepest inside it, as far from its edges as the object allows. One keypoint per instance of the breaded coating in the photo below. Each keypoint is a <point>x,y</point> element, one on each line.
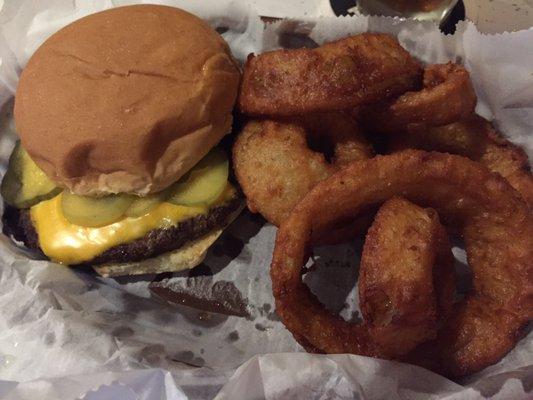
<point>447,96</point>
<point>475,138</point>
<point>497,226</point>
<point>340,75</point>
<point>276,167</point>
<point>406,276</point>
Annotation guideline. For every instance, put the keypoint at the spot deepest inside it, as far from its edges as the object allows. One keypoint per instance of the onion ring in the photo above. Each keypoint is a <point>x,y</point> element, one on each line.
<point>406,276</point>
<point>276,168</point>
<point>340,75</point>
<point>497,226</point>
<point>475,138</point>
<point>447,96</point>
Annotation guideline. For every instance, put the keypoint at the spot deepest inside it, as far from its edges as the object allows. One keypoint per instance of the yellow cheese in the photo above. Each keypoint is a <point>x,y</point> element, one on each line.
<point>69,244</point>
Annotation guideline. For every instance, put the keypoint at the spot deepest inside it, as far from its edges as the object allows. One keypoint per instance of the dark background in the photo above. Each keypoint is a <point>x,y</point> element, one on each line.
<point>340,7</point>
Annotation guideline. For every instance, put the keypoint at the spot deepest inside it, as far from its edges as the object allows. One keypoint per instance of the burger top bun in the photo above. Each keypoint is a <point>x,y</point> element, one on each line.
<point>126,100</point>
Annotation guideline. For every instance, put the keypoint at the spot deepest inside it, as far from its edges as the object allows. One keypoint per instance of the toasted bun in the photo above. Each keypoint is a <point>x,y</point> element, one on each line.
<point>126,100</point>
<point>186,257</point>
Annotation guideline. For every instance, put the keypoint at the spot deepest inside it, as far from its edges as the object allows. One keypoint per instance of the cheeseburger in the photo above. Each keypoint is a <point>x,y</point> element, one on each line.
<point>120,115</point>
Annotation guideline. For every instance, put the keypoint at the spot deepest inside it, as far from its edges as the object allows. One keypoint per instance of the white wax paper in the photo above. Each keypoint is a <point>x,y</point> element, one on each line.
<point>68,334</point>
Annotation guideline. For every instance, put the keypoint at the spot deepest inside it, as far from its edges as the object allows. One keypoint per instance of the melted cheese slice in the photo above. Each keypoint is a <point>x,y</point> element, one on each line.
<point>69,244</point>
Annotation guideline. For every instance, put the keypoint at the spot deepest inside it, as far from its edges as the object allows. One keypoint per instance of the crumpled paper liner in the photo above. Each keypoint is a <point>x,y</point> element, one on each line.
<point>70,334</point>
<point>498,16</point>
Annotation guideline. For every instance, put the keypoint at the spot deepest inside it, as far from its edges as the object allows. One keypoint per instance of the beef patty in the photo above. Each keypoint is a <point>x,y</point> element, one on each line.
<point>17,223</point>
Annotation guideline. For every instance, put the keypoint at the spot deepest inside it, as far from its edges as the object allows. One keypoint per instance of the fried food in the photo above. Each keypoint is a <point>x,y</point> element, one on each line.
<point>475,138</point>
<point>340,75</point>
<point>447,96</point>
<point>276,167</point>
<point>338,136</point>
<point>406,276</point>
<point>497,226</point>
<point>407,280</point>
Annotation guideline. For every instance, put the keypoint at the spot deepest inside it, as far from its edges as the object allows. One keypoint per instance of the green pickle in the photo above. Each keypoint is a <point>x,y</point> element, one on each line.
<point>24,183</point>
<point>204,183</point>
<point>94,211</point>
<point>143,205</point>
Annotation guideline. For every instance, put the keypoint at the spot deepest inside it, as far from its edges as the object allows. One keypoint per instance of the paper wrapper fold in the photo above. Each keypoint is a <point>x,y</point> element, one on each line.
<point>71,334</point>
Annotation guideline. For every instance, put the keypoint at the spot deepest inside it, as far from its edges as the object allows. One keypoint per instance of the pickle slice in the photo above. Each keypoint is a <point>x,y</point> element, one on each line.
<point>204,183</point>
<point>24,183</point>
<point>94,211</point>
<point>142,205</point>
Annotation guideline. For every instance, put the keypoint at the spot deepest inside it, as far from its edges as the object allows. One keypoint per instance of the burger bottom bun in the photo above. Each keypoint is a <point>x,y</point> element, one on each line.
<point>186,257</point>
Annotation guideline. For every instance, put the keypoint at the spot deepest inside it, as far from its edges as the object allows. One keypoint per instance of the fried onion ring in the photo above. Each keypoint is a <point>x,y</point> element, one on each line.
<point>475,138</point>
<point>447,96</point>
<point>406,276</point>
<point>340,75</point>
<point>276,168</point>
<point>497,227</point>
